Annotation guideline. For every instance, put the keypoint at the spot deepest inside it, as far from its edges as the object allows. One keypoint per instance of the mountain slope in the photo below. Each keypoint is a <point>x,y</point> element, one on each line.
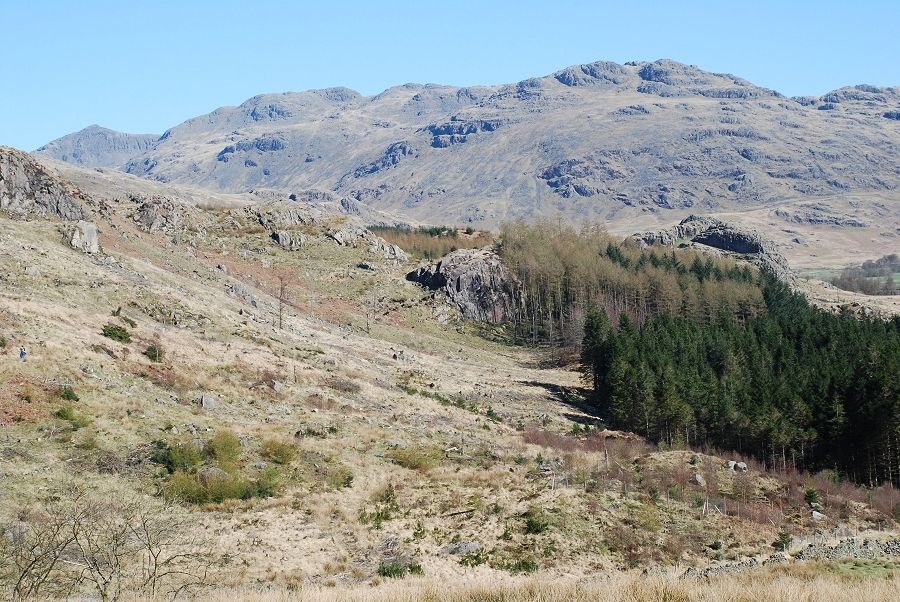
<point>96,146</point>
<point>601,140</point>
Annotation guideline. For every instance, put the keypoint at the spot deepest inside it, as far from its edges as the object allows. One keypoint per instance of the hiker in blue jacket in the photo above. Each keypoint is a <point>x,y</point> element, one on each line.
<point>22,353</point>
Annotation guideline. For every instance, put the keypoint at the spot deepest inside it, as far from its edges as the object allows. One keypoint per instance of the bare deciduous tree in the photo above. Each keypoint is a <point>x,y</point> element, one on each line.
<point>131,545</point>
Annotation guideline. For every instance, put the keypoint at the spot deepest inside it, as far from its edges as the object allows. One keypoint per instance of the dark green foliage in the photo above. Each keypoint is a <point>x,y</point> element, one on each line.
<point>526,564</point>
<point>395,569</point>
<point>116,333</point>
<point>68,393</point>
<point>154,352</point>
<point>784,540</point>
<point>67,413</point>
<point>180,456</point>
<point>811,496</point>
<point>536,522</point>
<point>794,386</point>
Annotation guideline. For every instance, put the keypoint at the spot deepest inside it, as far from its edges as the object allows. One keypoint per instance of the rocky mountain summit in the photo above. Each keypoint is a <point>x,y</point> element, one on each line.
<point>596,141</point>
<point>96,146</point>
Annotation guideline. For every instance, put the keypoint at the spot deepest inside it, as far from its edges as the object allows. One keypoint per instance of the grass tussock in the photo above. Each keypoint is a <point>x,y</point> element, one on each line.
<point>810,582</point>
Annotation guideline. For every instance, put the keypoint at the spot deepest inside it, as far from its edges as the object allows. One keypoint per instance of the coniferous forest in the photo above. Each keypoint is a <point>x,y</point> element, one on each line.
<point>704,352</point>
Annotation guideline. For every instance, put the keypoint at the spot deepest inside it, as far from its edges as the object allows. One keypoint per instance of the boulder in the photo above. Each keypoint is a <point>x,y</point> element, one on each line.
<point>475,280</point>
<point>208,401</point>
<point>291,241</point>
<point>462,548</point>
<point>381,247</point>
<point>699,480</point>
<point>212,474</point>
<point>818,516</point>
<point>348,236</point>
<point>741,467</point>
<point>85,237</point>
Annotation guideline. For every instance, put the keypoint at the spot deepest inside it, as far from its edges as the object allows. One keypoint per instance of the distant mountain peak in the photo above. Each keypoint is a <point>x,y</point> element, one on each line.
<point>97,146</point>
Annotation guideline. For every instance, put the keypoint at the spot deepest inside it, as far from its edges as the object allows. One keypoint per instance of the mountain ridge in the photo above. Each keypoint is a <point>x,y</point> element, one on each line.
<point>587,142</point>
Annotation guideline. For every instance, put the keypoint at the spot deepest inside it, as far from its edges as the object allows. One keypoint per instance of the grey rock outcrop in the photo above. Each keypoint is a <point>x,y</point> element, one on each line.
<point>292,241</point>
<point>211,475</point>
<point>722,236</point>
<point>209,401</point>
<point>85,238</point>
<point>475,280</point>
<point>158,215</point>
<point>348,236</point>
<point>26,188</point>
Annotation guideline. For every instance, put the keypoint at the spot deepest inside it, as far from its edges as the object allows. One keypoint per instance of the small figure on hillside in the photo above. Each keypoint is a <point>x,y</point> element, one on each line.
<point>22,353</point>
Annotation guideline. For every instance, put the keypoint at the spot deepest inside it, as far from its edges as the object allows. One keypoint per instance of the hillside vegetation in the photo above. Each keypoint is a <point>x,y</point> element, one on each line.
<point>687,349</point>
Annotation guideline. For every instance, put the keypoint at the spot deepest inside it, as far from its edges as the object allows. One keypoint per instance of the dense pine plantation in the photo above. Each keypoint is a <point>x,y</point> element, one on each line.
<point>796,386</point>
<point>688,350</point>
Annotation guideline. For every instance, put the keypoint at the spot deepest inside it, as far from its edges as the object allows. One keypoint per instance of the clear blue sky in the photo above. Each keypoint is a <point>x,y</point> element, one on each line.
<point>145,66</point>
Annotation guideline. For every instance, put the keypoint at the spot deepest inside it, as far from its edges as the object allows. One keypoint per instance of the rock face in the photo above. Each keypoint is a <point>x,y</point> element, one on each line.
<point>96,146</point>
<point>475,280</point>
<point>27,188</point>
<point>728,239</point>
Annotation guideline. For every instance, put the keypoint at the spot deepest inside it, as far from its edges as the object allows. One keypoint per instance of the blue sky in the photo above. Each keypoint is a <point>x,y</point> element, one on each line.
<point>146,66</point>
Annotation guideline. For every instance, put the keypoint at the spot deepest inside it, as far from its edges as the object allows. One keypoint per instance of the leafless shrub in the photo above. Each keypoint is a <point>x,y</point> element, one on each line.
<point>113,547</point>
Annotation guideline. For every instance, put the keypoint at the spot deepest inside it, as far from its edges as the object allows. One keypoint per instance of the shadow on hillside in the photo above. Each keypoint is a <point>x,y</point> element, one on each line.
<point>573,397</point>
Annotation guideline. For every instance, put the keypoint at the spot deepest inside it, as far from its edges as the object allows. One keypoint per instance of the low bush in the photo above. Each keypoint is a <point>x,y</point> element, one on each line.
<point>536,521</point>
<point>278,451</point>
<point>526,564</point>
<point>116,333</point>
<point>68,393</point>
<point>180,456</point>
<point>339,477</point>
<point>188,487</point>
<point>77,421</point>
<point>414,458</point>
<point>224,448</point>
<point>155,353</point>
<point>395,569</point>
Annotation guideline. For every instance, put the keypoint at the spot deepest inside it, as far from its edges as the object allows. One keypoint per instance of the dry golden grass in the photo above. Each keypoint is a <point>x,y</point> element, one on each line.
<point>804,583</point>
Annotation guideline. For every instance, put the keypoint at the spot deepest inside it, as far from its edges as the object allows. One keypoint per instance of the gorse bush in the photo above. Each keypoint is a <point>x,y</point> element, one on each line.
<point>68,413</point>
<point>154,352</point>
<point>197,488</point>
<point>68,393</point>
<point>536,521</point>
<point>278,451</point>
<point>224,448</point>
<point>117,333</point>
<point>415,458</point>
<point>180,456</point>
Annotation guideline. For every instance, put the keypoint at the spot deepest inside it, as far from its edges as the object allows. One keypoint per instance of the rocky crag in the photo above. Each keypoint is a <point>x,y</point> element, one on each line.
<point>475,281</point>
